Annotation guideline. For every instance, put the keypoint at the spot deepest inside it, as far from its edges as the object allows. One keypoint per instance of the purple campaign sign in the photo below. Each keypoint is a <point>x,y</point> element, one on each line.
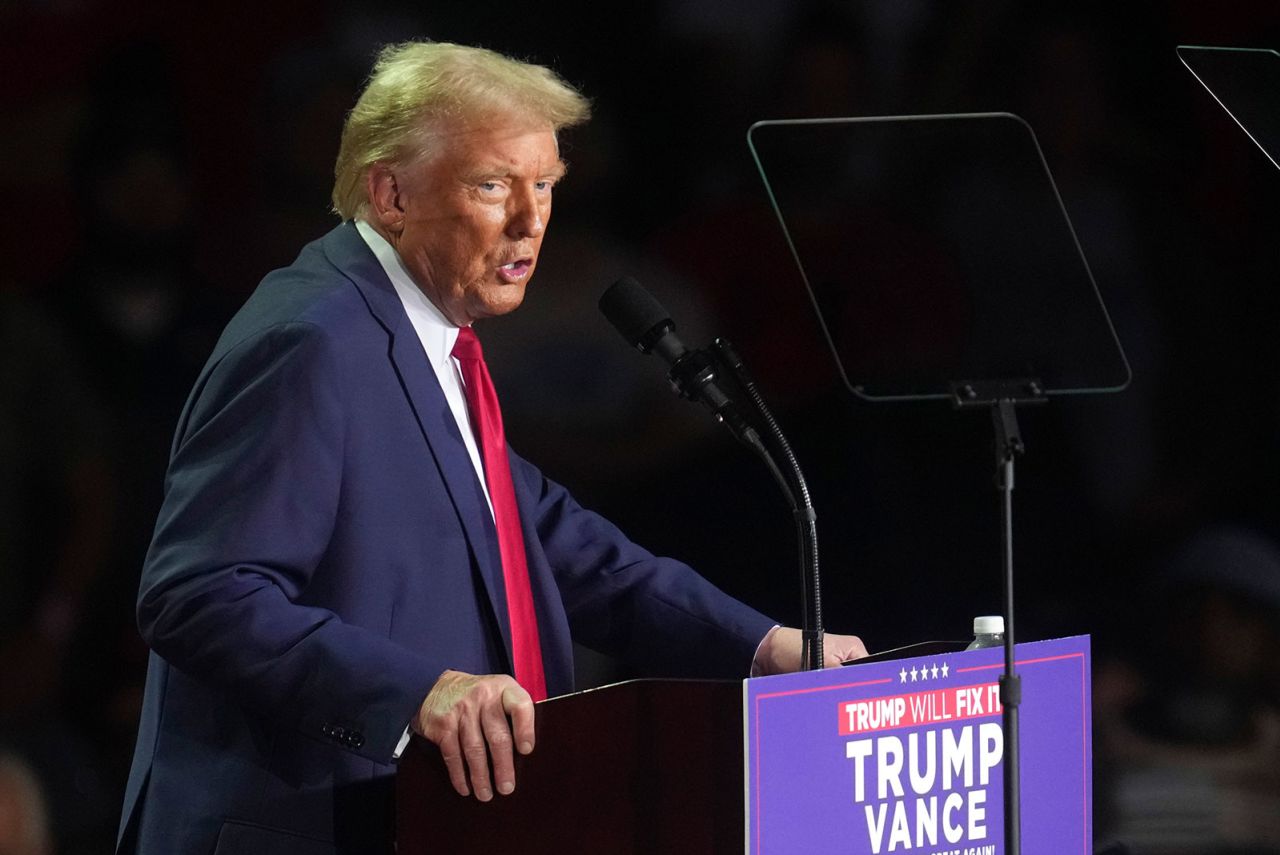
<point>908,756</point>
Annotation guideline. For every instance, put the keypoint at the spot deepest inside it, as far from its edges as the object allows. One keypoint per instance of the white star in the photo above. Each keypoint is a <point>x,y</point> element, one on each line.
<point>903,674</point>
<point>935,671</point>
<point>914,671</point>
<point>944,668</point>
<point>924,673</point>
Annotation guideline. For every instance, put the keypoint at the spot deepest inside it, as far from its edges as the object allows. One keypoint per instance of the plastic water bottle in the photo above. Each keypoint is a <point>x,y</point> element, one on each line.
<point>988,631</point>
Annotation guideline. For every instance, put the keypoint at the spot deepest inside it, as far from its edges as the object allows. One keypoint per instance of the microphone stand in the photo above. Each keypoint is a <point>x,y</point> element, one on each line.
<point>796,491</point>
<point>1003,397</point>
<point>693,375</point>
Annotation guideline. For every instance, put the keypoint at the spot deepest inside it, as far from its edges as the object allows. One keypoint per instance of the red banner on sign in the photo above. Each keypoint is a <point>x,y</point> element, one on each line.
<point>936,705</point>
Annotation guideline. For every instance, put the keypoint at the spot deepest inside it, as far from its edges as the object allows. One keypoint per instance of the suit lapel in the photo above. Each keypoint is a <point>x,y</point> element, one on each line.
<point>350,254</point>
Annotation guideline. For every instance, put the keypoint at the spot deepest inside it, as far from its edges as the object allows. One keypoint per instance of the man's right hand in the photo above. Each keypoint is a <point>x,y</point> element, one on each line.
<point>466,716</point>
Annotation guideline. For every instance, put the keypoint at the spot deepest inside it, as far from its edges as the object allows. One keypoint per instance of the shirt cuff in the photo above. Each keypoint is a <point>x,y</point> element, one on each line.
<point>757,668</point>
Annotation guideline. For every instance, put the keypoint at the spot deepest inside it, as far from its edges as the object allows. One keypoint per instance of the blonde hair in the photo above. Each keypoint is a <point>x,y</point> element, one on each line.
<point>415,83</point>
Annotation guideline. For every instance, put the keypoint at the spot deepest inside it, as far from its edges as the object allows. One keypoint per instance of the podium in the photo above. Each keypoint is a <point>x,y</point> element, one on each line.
<point>896,756</point>
<point>645,766</point>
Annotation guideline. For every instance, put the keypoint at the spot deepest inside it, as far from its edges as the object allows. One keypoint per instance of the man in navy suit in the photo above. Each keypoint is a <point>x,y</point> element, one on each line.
<point>326,575</point>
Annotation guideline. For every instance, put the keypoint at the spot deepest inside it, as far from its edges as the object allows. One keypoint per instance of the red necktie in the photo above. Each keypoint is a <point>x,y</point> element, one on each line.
<point>486,421</point>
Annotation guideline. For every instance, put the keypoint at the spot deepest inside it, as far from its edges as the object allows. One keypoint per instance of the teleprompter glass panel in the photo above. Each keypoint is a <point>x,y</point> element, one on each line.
<point>936,250</point>
<point>1246,82</point>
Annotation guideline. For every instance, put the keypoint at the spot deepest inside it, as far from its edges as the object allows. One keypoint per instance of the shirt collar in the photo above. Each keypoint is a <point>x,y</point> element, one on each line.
<point>433,328</point>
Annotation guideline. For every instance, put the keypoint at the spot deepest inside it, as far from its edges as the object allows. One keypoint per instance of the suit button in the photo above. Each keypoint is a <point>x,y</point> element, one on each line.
<point>357,739</point>
<point>327,730</point>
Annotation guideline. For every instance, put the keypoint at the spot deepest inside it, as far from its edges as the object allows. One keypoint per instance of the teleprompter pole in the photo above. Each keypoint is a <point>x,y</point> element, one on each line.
<point>1002,397</point>
<point>1008,447</point>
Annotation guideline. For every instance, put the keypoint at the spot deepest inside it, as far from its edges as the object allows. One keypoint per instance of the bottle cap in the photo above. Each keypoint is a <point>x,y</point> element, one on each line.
<point>988,625</point>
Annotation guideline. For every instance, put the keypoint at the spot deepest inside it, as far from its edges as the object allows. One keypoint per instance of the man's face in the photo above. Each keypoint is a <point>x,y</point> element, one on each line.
<point>474,215</point>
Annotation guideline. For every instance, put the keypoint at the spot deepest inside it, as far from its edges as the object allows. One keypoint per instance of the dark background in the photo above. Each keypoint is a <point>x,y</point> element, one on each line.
<point>157,159</point>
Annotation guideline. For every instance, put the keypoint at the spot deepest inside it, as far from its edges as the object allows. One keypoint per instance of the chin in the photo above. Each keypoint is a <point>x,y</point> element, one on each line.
<point>508,299</point>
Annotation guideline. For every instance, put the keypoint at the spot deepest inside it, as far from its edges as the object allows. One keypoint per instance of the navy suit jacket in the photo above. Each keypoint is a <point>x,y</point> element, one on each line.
<point>324,552</point>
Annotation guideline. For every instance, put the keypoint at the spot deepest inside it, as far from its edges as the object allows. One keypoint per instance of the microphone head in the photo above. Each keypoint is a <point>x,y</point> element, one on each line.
<point>635,313</point>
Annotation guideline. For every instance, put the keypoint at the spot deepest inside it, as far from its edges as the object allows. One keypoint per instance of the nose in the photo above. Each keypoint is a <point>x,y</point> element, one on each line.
<point>527,213</point>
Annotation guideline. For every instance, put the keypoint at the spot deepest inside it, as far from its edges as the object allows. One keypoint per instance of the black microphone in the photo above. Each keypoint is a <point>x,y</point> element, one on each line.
<point>647,326</point>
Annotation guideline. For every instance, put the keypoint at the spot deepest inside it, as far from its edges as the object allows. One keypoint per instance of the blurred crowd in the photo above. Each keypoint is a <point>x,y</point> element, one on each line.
<point>156,163</point>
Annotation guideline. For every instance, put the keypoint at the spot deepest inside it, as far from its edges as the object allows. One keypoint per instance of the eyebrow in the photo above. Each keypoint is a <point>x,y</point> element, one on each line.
<point>558,170</point>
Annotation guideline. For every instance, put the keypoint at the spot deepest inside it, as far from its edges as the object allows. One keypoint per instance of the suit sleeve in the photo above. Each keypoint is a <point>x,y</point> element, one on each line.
<point>655,613</point>
<point>253,489</point>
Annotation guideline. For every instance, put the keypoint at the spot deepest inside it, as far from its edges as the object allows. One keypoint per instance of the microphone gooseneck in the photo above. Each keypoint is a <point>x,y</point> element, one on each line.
<point>695,375</point>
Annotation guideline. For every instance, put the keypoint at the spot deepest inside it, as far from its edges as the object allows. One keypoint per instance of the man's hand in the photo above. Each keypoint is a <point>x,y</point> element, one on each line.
<point>779,653</point>
<point>466,716</point>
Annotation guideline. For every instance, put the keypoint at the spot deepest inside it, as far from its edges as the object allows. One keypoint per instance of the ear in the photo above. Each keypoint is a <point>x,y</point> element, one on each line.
<point>384,198</point>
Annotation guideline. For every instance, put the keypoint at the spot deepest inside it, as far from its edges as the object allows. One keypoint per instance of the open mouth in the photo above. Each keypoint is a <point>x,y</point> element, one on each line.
<point>515,271</point>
